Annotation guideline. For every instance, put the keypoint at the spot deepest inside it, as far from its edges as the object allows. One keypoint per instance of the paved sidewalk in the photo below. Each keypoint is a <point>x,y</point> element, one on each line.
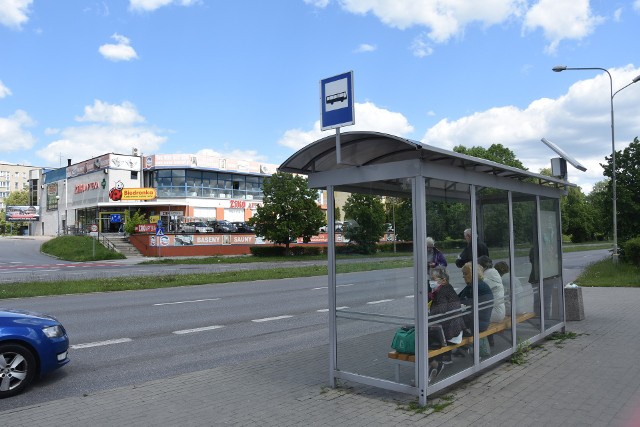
<point>592,380</point>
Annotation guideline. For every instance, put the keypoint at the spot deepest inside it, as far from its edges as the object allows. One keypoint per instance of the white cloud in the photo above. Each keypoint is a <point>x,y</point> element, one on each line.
<point>151,5</point>
<point>123,114</point>
<point>636,5</point>
<point>4,91</point>
<point>445,18</point>
<point>578,121</point>
<point>420,47</point>
<point>113,128</point>
<point>617,15</point>
<point>561,19</point>
<point>321,4</point>
<point>368,117</point>
<point>14,13</point>
<point>122,51</point>
<point>364,47</point>
<point>251,155</point>
<point>13,135</point>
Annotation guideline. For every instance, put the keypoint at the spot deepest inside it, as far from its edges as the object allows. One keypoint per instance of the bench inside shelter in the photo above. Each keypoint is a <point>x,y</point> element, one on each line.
<point>494,328</point>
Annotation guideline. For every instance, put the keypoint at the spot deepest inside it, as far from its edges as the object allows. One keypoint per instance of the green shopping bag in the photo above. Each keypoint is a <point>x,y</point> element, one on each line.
<point>404,340</point>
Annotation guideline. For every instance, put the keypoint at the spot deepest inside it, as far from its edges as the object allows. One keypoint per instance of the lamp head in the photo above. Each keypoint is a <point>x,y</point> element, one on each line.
<point>636,79</point>
<point>559,68</point>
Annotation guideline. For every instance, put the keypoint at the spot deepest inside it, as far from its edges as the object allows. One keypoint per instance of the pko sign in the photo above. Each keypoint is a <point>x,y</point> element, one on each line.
<point>336,101</point>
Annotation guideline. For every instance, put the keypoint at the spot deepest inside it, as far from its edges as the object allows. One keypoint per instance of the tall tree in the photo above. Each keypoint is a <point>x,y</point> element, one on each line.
<point>496,153</point>
<point>627,185</point>
<point>367,227</point>
<point>577,216</point>
<point>289,210</point>
<point>599,200</point>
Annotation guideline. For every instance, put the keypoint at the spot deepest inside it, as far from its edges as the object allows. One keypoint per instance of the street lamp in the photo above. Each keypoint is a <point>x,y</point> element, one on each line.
<point>58,209</point>
<point>559,68</point>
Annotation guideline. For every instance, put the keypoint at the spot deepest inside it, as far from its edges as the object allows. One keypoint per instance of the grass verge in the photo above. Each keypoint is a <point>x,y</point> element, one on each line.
<point>112,284</point>
<point>78,248</point>
<point>605,273</point>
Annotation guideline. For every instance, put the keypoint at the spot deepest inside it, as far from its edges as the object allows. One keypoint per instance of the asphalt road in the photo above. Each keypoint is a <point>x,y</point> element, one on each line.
<point>125,338</point>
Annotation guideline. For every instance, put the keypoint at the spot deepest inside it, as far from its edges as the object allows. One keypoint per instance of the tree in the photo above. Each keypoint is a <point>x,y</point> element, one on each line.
<point>132,221</point>
<point>289,210</point>
<point>600,204</point>
<point>577,217</point>
<point>17,198</point>
<point>367,226</point>
<point>577,214</point>
<point>627,184</point>
<point>496,153</point>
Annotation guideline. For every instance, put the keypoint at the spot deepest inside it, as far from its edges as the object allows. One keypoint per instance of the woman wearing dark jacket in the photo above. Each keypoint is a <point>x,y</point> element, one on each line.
<point>444,302</point>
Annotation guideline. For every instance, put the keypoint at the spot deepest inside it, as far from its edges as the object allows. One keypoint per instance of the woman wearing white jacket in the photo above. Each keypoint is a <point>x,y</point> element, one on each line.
<point>494,280</point>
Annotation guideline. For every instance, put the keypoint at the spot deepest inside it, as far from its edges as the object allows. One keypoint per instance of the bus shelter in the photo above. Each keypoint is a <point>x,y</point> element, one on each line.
<point>516,213</point>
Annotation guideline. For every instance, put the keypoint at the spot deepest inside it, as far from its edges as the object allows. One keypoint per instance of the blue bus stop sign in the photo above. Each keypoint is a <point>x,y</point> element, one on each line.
<point>336,101</point>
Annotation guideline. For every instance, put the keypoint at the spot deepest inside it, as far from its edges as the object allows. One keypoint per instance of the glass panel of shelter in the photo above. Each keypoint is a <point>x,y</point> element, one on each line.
<point>524,276</point>
<point>551,265</point>
<point>372,305</point>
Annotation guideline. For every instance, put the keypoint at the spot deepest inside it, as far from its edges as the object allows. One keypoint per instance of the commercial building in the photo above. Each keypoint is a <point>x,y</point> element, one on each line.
<point>172,188</point>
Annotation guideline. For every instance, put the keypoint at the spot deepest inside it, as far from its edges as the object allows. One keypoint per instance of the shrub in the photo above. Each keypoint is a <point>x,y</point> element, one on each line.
<point>631,251</point>
<point>400,247</point>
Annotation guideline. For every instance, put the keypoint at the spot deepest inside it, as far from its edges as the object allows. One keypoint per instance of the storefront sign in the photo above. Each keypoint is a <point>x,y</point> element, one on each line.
<point>138,193</point>
<point>146,228</point>
<point>81,188</point>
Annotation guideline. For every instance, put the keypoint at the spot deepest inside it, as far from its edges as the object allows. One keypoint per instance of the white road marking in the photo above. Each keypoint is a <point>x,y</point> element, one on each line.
<point>324,310</point>
<point>100,343</point>
<point>268,319</point>
<point>204,328</point>
<point>337,286</point>
<point>410,296</point>
<point>380,301</point>
<point>187,302</point>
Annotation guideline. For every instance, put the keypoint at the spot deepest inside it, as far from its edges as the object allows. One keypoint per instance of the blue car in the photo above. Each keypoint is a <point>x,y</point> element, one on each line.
<point>31,345</point>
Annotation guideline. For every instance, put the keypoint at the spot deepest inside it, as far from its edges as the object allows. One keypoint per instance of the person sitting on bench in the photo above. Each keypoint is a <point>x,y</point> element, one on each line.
<point>485,302</point>
<point>444,300</point>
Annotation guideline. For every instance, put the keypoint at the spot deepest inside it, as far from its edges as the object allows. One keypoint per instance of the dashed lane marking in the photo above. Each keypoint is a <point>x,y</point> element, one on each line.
<point>100,343</point>
<point>269,319</point>
<point>186,302</point>
<point>202,329</point>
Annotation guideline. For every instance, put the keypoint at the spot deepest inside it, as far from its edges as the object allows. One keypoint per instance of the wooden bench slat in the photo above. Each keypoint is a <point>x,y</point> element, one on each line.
<point>492,329</point>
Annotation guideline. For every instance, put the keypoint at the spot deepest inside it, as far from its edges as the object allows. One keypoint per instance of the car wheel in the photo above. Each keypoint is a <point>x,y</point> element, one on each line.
<point>17,369</point>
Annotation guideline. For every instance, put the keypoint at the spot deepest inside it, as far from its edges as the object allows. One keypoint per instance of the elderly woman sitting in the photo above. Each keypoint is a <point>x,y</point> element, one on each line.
<point>444,300</point>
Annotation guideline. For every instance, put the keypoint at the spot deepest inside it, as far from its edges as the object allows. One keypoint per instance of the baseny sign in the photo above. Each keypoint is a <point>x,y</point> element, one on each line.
<point>138,193</point>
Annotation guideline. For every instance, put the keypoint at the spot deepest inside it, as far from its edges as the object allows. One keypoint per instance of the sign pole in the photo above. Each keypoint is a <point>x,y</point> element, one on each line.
<point>338,150</point>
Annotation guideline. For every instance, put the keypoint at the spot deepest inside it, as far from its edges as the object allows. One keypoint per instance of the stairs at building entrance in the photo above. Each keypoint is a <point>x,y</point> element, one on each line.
<point>119,243</point>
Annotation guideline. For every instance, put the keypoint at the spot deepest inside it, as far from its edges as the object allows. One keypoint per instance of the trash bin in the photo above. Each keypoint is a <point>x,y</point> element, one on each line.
<point>573,304</point>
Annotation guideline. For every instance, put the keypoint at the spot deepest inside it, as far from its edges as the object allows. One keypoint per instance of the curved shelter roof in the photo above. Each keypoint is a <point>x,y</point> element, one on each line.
<point>360,149</point>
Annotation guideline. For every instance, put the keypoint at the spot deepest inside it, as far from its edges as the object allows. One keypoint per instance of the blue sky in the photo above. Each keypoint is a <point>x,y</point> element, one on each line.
<point>79,78</point>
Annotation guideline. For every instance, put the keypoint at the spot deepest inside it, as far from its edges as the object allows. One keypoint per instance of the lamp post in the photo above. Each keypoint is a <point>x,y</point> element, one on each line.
<point>58,209</point>
<point>559,68</point>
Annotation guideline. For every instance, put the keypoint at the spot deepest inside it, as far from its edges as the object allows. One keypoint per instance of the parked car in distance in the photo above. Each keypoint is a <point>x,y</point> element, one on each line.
<point>243,227</point>
<point>31,345</point>
<point>222,226</point>
<point>195,227</point>
<point>323,229</point>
